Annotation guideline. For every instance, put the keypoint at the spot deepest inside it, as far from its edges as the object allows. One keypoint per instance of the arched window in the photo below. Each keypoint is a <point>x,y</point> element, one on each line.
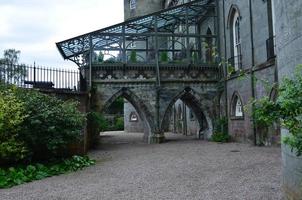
<point>133,117</point>
<point>179,112</point>
<point>234,24</point>
<point>236,107</point>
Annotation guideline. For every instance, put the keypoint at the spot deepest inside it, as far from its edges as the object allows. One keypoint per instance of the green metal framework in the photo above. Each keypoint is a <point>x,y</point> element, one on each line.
<point>177,31</point>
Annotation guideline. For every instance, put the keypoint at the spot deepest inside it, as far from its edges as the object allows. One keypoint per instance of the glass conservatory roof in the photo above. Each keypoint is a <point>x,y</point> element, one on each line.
<point>148,25</point>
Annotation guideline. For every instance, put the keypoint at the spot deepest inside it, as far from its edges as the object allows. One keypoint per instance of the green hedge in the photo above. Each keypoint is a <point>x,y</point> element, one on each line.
<point>36,126</point>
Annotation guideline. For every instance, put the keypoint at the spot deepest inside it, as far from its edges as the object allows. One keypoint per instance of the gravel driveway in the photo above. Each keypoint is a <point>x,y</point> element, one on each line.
<point>182,168</point>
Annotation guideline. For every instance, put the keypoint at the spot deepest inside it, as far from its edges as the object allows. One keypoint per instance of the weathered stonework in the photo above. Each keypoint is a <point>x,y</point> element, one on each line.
<point>194,85</point>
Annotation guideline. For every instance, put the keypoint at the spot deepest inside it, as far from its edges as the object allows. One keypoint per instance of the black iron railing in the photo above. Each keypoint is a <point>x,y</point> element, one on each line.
<point>39,77</point>
<point>235,62</point>
<point>271,47</point>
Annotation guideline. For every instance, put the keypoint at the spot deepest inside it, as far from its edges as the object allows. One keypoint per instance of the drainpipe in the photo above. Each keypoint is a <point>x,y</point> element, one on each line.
<point>252,73</point>
<point>157,106</point>
<point>271,34</point>
<point>90,62</point>
<point>225,66</point>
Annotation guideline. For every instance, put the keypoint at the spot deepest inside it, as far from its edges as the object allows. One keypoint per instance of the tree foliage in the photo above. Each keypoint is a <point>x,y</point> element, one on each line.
<point>11,56</point>
<point>10,70</point>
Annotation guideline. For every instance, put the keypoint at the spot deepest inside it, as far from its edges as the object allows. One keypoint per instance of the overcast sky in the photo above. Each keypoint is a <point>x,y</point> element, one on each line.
<point>34,26</point>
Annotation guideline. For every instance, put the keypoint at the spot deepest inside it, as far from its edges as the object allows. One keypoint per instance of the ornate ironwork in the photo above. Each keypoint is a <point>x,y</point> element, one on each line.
<point>146,31</point>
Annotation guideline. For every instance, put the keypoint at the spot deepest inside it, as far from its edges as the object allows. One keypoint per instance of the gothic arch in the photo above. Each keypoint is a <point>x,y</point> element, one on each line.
<point>234,104</point>
<point>201,112</point>
<point>140,107</point>
<point>233,10</point>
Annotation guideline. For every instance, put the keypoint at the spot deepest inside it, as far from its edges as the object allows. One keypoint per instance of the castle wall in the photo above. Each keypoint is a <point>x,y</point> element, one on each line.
<point>258,77</point>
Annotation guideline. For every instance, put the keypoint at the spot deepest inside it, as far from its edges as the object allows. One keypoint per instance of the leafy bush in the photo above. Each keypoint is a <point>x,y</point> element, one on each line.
<point>119,123</point>
<point>221,130</point>
<point>12,150</point>
<point>194,57</point>
<point>22,174</point>
<point>133,58</point>
<point>220,137</point>
<point>287,108</point>
<point>117,106</point>
<point>221,125</point>
<point>12,115</point>
<point>51,124</point>
<point>164,56</point>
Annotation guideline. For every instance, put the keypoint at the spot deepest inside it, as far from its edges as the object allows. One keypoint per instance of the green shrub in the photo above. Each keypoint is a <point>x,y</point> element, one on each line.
<point>220,137</point>
<point>12,115</point>
<point>133,57</point>
<point>22,174</point>
<point>194,57</point>
<point>117,106</point>
<point>12,150</point>
<point>51,124</point>
<point>221,125</point>
<point>164,56</point>
<point>221,130</point>
<point>119,123</point>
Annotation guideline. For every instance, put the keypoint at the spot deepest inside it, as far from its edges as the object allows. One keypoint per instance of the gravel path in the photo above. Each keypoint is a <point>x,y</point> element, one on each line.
<point>182,168</point>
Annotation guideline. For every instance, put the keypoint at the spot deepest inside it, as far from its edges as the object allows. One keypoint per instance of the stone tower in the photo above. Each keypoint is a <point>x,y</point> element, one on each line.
<point>135,8</point>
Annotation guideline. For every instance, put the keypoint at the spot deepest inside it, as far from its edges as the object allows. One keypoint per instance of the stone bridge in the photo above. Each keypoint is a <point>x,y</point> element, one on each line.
<point>157,45</point>
<point>153,96</point>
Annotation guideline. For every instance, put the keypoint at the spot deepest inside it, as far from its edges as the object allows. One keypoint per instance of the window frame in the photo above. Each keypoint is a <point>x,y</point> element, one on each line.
<point>133,114</point>
<point>236,40</point>
<point>236,99</point>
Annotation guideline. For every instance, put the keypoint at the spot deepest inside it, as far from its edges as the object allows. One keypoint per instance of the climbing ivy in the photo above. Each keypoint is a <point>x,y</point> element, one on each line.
<point>287,108</point>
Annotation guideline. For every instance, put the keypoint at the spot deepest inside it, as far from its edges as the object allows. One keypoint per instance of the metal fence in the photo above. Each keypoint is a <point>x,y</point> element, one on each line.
<point>39,77</point>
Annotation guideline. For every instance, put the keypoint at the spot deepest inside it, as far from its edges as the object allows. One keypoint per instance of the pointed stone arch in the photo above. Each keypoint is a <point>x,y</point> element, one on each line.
<point>236,107</point>
<point>233,10</point>
<point>201,111</point>
<point>141,108</point>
